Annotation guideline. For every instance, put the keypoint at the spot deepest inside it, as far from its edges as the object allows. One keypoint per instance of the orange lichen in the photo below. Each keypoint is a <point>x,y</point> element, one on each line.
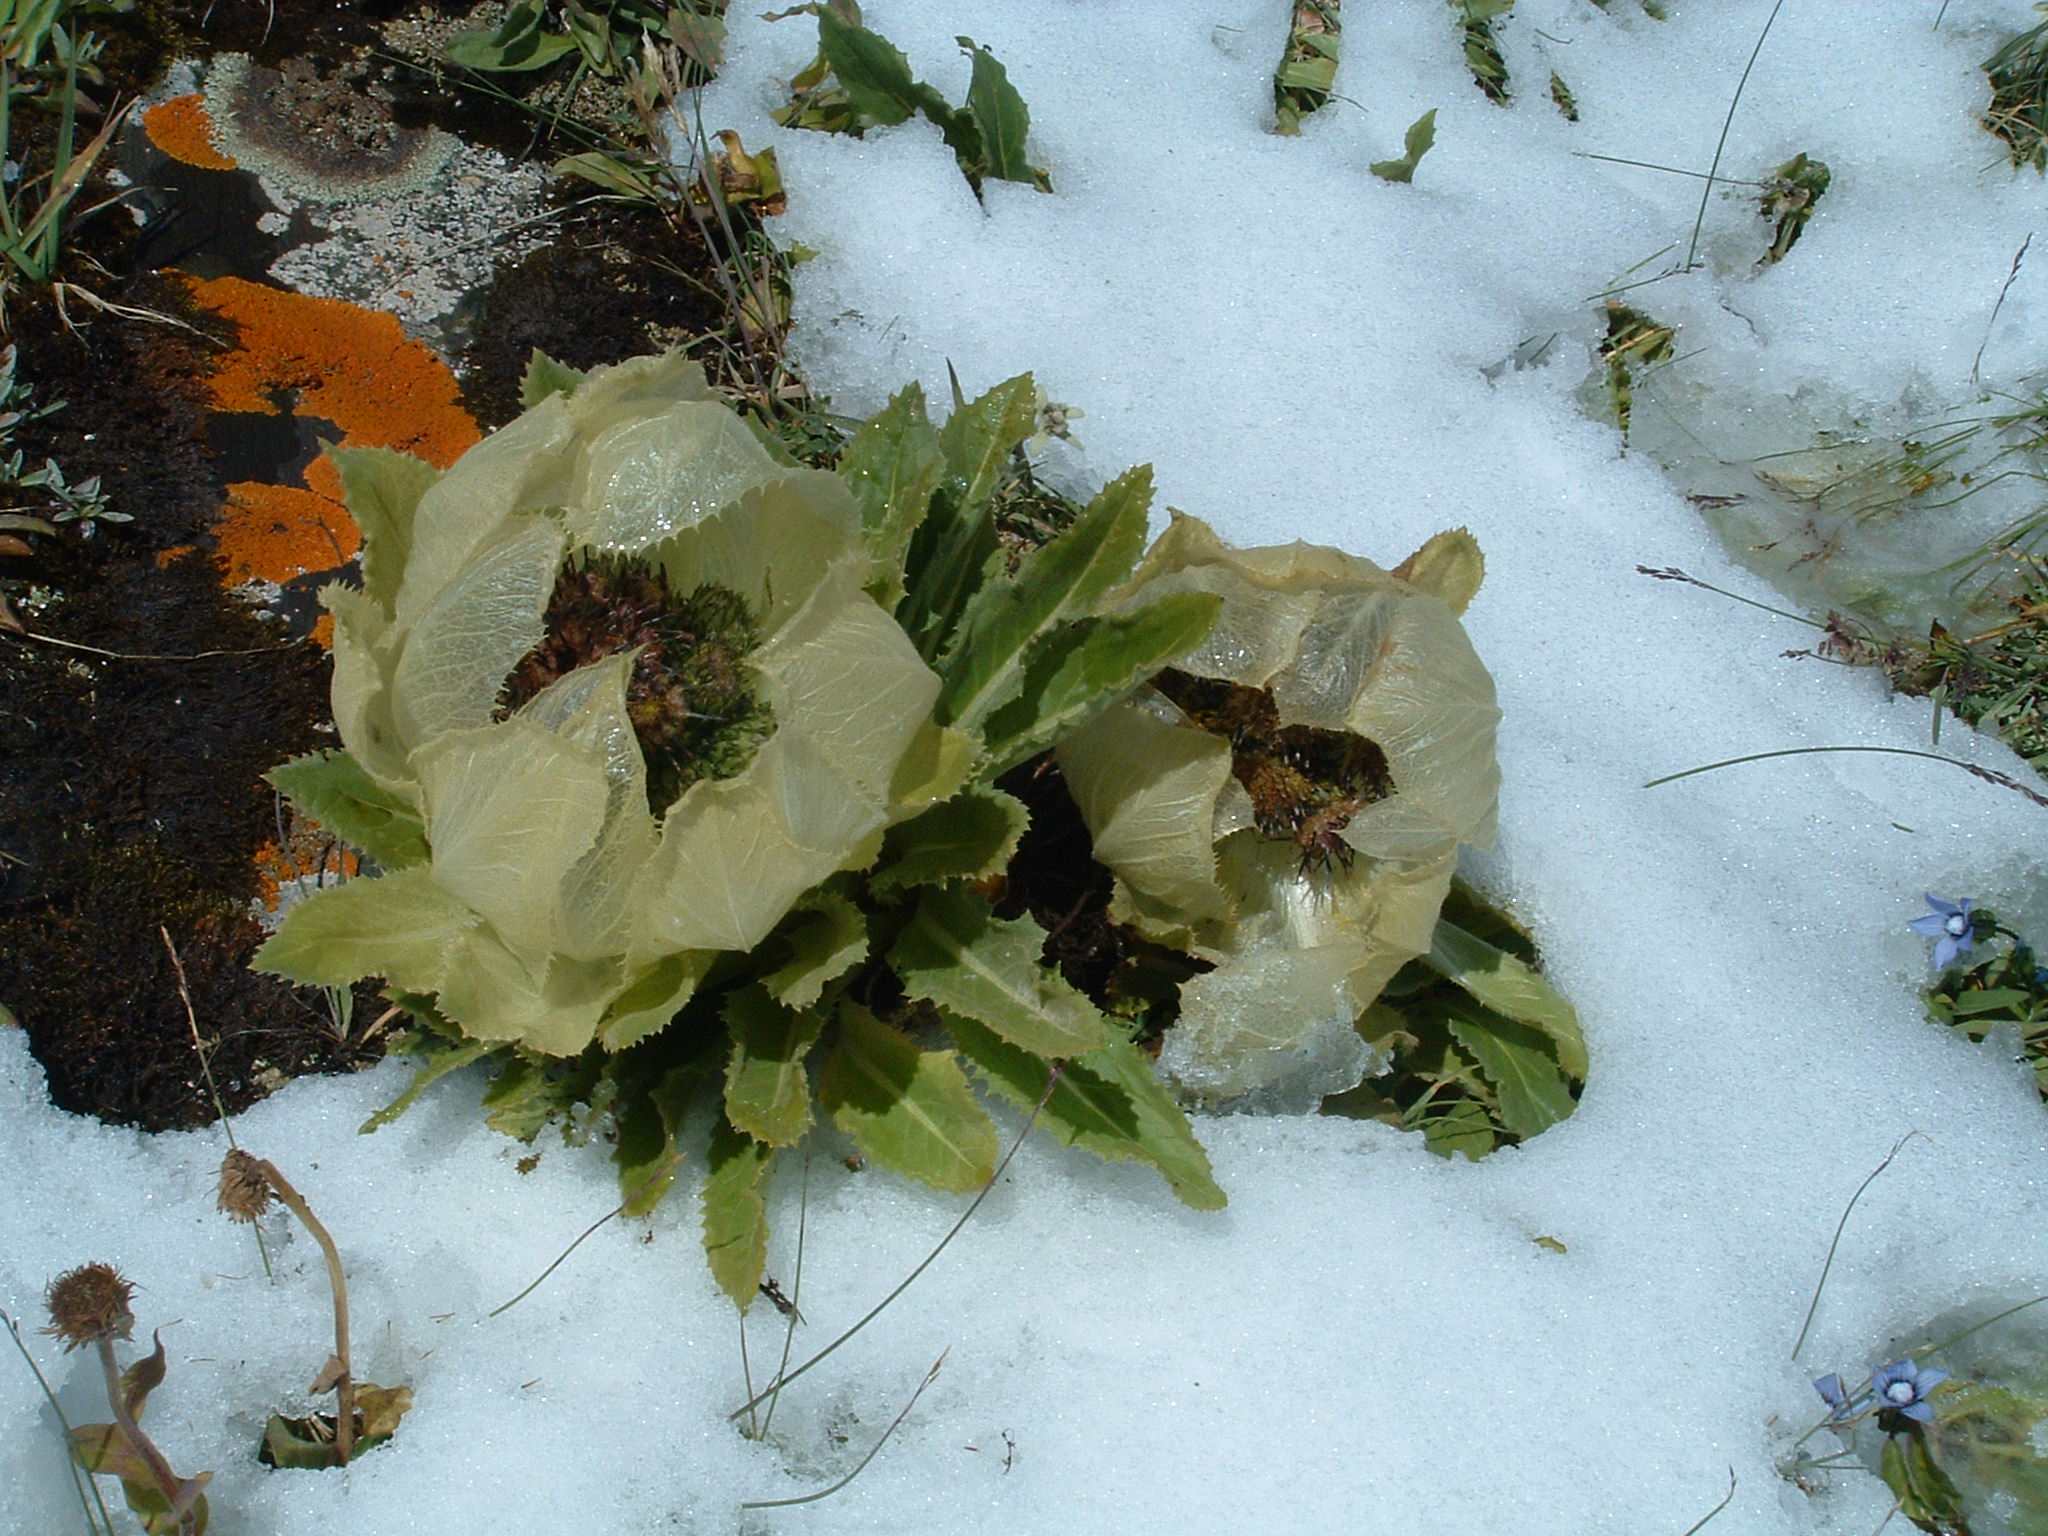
<point>181,129</point>
<point>165,558</point>
<point>352,366</point>
<point>278,532</point>
<point>311,853</point>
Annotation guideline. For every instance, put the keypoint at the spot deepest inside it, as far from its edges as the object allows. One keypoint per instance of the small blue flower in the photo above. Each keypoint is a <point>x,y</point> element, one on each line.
<point>1904,1386</point>
<point>1831,1391</point>
<point>1948,924</point>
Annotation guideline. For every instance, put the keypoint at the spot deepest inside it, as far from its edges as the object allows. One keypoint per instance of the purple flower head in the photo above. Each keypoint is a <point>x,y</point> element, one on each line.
<point>1831,1391</point>
<point>1904,1386</point>
<point>1949,925</point>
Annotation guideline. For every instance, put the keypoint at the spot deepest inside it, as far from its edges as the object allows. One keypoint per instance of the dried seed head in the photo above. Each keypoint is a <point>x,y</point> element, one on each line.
<point>89,1303</point>
<point>244,1191</point>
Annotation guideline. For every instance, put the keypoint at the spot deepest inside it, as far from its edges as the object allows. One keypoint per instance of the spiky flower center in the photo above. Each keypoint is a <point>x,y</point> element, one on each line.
<point>1305,783</point>
<point>90,1303</point>
<point>690,695</point>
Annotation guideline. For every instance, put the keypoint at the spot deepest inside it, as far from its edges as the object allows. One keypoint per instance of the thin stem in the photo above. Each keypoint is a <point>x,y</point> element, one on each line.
<point>1814,1305</point>
<point>1726,1499</point>
<point>930,1376</point>
<point>79,1483</point>
<point>1989,775</point>
<point>344,1385</point>
<point>178,1494</point>
<point>617,1210</point>
<point>1673,573</point>
<point>1727,123</point>
<point>206,1071</point>
<point>876,1311</point>
<point>747,1376</point>
<point>1651,165</point>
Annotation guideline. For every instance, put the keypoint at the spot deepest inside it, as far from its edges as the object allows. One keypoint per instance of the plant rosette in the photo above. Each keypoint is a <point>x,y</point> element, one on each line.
<point>1288,801</point>
<point>531,645</point>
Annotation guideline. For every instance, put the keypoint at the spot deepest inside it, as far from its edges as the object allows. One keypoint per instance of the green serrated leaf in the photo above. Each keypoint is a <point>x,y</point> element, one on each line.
<point>653,998</point>
<point>1109,1102</point>
<point>735,1215</point>
<point>957,953</point>
<point>1000,118</point>
<point>1421,136</point>
<point>1054,585</point>
<point>892,466</point>
<point>383,489</point>
<point>767,1091</point>
<point>529,1091</point>
<point>1508,987</point>
<point>907,1109</point>
<point>545,376</point>
<point>400,926</point>
<point>979,437</point>
<point>1077,672</point>
<point>827,937</point>
<point>1518,1062</point>
<point>332,789</point>
<point>649,1117</point>
<point>967,837</point>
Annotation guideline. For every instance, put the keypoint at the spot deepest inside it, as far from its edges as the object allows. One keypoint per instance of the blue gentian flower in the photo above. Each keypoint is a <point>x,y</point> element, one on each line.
<point>1949,925</point>
<point>1832,1393</point>
<point>1904,1386</point>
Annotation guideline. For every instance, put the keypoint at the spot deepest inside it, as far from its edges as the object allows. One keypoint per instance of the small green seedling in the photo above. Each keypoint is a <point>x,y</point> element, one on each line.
<point>1789,196</point>
<point>1416,143</point>
<point>1634,341</point>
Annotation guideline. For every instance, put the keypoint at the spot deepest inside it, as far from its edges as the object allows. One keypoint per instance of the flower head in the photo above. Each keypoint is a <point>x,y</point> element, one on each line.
<point>1840,1404</point>
<point>1950,926</point>
<point>88,1304</point>
<point>244,1189</point>
<point>1904,1386</point>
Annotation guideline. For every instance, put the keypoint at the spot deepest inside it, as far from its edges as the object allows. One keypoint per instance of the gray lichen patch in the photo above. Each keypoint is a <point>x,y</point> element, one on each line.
<point>319,135</point>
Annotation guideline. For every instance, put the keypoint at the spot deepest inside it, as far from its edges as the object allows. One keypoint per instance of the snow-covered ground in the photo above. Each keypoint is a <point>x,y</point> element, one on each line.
<point>1370,1338</point>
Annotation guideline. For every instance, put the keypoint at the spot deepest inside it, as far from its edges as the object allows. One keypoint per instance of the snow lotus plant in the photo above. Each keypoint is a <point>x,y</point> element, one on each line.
<point>1288,800</point>
<point>693,774</point>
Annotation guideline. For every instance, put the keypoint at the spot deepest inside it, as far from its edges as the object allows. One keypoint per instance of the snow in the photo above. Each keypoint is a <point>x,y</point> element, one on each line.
<point>1369,1337</point>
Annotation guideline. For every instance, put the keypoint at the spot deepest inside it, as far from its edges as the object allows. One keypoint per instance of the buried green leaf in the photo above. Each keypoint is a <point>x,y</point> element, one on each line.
<point>1518,1061</point>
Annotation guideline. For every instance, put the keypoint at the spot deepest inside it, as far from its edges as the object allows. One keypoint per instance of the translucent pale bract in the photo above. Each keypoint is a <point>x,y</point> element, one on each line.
<point>1298,954</point>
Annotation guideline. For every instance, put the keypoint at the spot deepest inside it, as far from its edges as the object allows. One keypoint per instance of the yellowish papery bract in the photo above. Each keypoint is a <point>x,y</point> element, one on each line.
<point>573,913</point>
<point>1343,645</point>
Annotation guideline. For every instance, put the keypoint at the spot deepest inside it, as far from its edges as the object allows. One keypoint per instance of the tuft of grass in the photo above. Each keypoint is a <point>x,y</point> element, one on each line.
<point>2018,112</point>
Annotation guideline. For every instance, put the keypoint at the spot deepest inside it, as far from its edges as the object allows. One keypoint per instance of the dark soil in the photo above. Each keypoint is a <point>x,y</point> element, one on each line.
<point>133,788</point>
<point>131,794</point>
